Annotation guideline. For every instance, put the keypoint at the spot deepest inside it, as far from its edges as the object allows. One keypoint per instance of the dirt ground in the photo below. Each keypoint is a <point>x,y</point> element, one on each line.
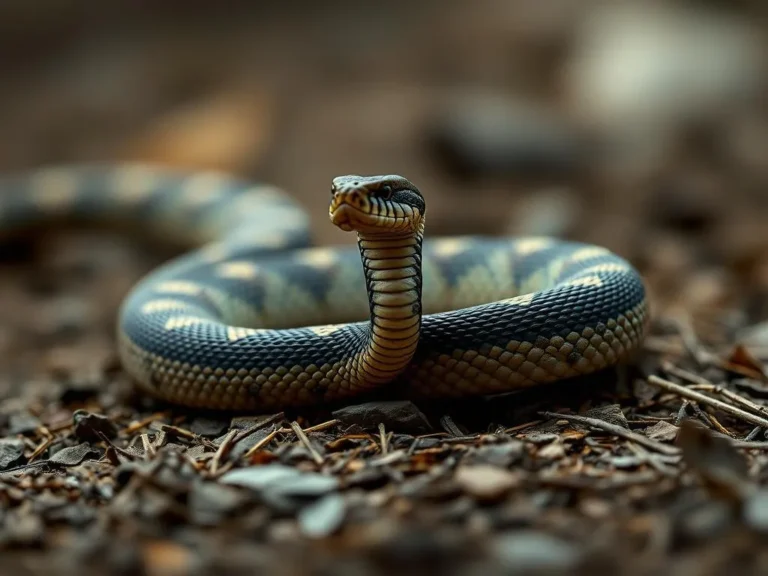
<point>642,129</point>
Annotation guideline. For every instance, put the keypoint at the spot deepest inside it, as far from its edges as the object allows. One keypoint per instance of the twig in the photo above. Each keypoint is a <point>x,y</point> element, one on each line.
<point>118,451</point>
<point>149,450</point>
<point>700,414</point>
<point>722,429</point>
<point>684,374</point>
<point>242,434</point>
<point>224,448</point>
<point>41,448</point>
<point>383,436</point>
<point>704,384</point>
<point>522,426</point>
<point>316,456</point>
<point>616,431</point>
<point>698,397</point>
<point>261,443</point>
<point>178,432</point>
<point>316,428</point>
<point>752,434</point>
<point>136,426</point>
<point>322,426</point>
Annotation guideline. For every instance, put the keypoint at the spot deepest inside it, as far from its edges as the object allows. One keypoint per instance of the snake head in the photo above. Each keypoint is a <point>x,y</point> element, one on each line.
<point>376,205</point>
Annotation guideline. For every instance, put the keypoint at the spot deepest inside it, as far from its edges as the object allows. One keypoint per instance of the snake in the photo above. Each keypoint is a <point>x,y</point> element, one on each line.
<point>252,315</point>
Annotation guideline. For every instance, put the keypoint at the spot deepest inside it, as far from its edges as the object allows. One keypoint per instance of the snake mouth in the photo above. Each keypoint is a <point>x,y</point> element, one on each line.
<point>340,217</point>
<point>349,218</point>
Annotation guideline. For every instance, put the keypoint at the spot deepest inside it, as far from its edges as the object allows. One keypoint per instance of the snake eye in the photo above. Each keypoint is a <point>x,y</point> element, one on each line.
<point>385,192</point>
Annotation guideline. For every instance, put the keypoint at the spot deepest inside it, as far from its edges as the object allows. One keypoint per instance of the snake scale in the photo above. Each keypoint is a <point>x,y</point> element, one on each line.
<point>253,316</point>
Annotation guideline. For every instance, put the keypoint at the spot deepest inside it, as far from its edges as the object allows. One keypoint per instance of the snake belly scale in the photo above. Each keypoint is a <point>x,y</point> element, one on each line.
<point>253,316</point>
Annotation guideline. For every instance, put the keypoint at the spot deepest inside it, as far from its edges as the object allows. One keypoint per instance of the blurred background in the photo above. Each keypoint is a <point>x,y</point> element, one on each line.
<point>638,126</point>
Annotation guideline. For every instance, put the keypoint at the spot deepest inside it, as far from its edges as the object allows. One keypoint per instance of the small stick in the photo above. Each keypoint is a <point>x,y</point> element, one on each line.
<point>179,432</point>
<point>698,397</point>
<point>316,456</point>
<point>224,448</point>
<point>316,428</point>
<point>383,436</point>
<point>704,384</point>
<point>119,451</point>
<point>722,429</point>
<point>41,448</point>
<point>322,426</point>
<point>135,426</point>
<point>616,431</point>
<point>684,374</point>
<point>522,426</point>
<point>242,434</point>
<point>261,443</point>
<point>149,450</point>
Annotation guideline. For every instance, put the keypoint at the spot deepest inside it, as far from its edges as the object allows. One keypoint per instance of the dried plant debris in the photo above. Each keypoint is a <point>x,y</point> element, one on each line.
<point>665,474</point>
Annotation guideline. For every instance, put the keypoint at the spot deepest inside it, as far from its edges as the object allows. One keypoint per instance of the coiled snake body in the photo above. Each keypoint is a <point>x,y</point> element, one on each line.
<point>253,317</point>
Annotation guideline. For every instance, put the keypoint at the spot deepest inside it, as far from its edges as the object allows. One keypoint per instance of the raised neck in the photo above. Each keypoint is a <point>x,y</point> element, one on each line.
<point>392,267</point>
